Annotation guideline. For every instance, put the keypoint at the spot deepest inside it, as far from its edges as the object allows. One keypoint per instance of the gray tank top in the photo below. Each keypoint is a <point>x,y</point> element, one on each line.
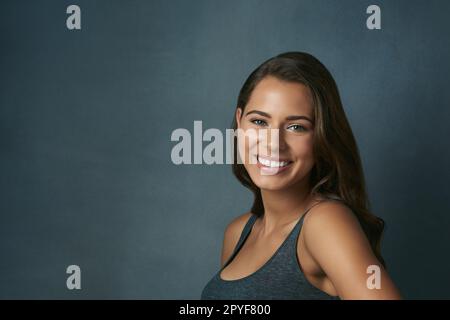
<point>280,278</point>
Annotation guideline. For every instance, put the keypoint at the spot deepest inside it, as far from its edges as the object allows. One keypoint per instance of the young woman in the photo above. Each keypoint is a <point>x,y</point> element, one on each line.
<point>309,234</point>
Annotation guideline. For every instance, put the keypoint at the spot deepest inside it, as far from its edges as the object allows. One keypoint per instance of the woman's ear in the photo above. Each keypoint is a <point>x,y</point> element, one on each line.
<point>238,117</point>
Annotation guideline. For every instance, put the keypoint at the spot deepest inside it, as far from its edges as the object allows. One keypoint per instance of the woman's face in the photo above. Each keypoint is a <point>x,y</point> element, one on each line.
<point>277,159</point>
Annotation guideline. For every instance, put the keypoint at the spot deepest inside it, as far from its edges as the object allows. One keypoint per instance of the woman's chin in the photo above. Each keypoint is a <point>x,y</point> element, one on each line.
<point>277,182</point>
<point>270,184</point>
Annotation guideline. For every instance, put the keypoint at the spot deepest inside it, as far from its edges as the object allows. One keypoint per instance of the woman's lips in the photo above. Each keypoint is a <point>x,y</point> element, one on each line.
<point>268,166</point>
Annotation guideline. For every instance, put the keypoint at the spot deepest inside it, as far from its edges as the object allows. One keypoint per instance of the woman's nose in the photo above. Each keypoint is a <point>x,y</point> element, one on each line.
<point>273,142</point>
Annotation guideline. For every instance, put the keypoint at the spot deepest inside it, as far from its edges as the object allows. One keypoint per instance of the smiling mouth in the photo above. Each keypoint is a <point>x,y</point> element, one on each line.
<point>269,163</point>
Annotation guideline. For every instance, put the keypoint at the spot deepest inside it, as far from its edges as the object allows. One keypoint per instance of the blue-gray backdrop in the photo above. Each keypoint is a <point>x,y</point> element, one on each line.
<point>86,117</point>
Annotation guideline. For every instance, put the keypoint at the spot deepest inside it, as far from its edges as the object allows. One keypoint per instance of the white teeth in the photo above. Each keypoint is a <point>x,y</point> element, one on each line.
<point>273,164</point>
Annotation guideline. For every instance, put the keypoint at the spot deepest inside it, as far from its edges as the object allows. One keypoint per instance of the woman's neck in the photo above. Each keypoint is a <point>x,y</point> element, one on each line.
<point>282,207</point>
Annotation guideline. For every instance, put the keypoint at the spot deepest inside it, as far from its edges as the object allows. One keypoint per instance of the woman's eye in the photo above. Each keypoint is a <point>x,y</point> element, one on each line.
<point>297,127</point>
<point>258,122</point>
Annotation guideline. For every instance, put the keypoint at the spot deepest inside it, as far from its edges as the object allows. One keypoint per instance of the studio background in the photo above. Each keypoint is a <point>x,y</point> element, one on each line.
<point>86,118</point>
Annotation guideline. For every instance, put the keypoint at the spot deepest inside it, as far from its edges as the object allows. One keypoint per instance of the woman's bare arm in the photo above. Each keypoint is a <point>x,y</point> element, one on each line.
<point>335,239</point>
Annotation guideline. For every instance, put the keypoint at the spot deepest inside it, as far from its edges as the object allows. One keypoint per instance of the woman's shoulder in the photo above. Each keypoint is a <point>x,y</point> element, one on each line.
<point>236,225</point>
<point>325,209</point>
<point>234,229</point>
<point>232,234</point>
<point>330,213</point>
<point>331,227</point>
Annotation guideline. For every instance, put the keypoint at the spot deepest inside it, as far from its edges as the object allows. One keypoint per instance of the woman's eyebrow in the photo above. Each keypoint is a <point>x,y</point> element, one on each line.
<point>264,114</point>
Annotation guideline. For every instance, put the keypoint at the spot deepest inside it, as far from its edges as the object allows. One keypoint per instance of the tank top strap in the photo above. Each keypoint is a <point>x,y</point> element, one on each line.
<point>291,239</point>
<point>247,228</point>
<point>300,222</point>
<point>244,234</point>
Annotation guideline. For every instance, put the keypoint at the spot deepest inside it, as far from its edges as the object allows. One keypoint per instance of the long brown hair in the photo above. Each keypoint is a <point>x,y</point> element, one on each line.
<point>337,173</point>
